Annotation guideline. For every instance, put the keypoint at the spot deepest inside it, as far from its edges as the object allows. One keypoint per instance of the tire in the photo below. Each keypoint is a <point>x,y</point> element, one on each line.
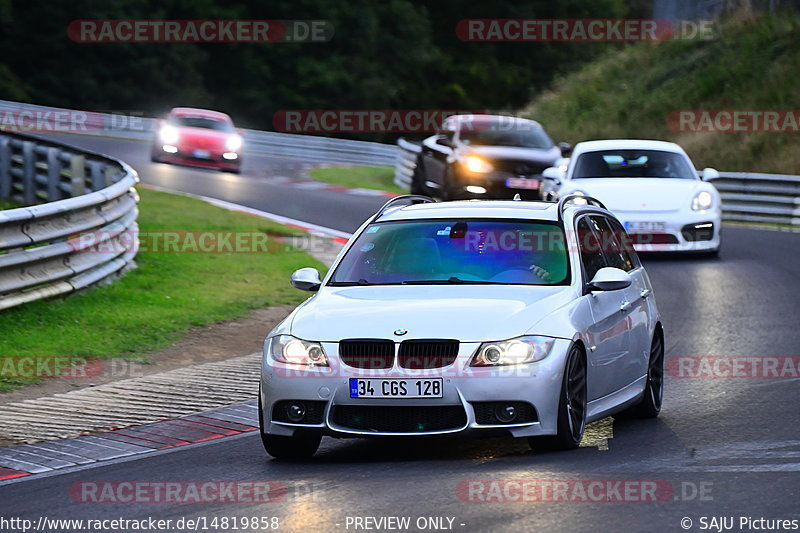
<point>653,395</point>
<point>571,407</point>
<point>298,446</point>
<point>418,179</point>
<point>448,193</point>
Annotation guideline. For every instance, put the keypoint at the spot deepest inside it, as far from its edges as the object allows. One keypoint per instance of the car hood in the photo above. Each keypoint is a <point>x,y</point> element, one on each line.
<point>639,194</point>
<point>465,312</point>
<point>206,135</point>
<point>544,157</point>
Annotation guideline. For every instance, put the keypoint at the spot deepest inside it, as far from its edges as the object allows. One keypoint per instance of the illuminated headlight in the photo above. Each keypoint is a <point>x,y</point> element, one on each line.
<point>293,351</point>
<point>702,200</point>
<point>513,352</point>
<point>233,143</point>
<point>168,134</point>
<point>474,163</point>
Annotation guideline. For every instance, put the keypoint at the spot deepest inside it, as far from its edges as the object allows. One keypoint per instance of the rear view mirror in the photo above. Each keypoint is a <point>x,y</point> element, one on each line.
<point>444,141</point>
<point>306,279</point>
<point>710,174</point>
<point>565,148</point>
<point>610,279</point>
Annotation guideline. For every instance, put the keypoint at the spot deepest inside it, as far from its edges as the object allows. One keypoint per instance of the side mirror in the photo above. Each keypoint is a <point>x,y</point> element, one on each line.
<point>565,148</point>
<point>444,141</point>
<point>553,174</point>
<point>610,279</point>
<point>306,279</point>
<point>710,174</point>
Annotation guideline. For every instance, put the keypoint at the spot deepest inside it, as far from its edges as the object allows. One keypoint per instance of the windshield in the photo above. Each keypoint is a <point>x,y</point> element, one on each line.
<point>632,164</point>
<point>201,122</point>
<point>456,252</point>
<point>519,134</point>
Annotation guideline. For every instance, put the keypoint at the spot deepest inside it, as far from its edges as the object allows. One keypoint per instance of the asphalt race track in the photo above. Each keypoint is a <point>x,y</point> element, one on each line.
<point>722,447</point>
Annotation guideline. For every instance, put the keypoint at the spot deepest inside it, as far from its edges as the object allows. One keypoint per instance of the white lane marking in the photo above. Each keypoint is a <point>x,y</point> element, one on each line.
<point>230,206</point>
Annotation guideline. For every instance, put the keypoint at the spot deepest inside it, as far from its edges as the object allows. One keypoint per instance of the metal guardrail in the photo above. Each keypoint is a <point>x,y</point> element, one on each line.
<point>751,197</point>
<point>406,163</point>
<point>746,196</point>
<point>70,194</point>
<point>306,147</point>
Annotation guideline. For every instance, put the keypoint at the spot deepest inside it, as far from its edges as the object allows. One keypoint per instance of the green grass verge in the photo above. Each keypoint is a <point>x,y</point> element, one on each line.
<point>379,178</point>
<point>7,205</point>
<point>753,64</point>
<point>154,305</point>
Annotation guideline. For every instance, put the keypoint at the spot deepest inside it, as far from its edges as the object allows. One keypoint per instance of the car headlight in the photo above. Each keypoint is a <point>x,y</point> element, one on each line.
<point>475,163</point>
<point>293,351</point>
<point>233,143</point>
<point>168,134</point>
<point>702,200</point>
<point>513,352</point>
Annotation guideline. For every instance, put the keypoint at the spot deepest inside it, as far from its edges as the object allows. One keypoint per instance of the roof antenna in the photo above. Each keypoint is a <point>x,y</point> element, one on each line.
<point>517,197</point>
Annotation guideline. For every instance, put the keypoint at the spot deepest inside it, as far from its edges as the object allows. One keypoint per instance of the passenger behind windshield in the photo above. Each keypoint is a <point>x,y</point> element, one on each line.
<point>452,252</point>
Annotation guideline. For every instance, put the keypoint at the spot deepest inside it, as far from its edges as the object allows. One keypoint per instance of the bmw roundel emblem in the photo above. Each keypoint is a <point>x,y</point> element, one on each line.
<point>400,332</point>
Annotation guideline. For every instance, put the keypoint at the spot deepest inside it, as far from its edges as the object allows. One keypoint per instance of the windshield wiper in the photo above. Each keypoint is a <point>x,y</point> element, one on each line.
<point>360,282</point>
<point>453,280</point>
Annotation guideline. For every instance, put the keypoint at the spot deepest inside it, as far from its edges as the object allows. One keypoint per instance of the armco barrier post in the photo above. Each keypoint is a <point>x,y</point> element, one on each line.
<point>98,177</point>
<point>5,168</point>
<point>28,173</point>
<point>53,174</point>
<point>78,171</point>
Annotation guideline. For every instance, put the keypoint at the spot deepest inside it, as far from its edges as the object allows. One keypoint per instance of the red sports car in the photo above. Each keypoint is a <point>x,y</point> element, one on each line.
<point>198,137</point>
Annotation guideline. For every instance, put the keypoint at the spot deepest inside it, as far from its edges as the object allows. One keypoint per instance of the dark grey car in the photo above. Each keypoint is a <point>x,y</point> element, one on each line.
<point>485,156</point>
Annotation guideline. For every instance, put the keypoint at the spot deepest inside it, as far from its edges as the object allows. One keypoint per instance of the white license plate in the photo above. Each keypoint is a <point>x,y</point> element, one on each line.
<point>645,226</point>
<point>396,388</point>
<point>202,154</point>
<point>523,183</point>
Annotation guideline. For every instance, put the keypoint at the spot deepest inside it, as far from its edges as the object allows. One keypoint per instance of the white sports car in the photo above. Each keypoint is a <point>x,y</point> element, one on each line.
<point>525,318</point>
<point>651,186</point>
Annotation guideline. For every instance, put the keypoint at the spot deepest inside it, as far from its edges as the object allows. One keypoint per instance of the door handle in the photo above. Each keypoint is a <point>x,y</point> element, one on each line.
<point>625,306</point>
<point>645,293</point>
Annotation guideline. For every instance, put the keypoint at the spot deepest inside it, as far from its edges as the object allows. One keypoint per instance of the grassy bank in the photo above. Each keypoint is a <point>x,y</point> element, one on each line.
<point>155,304</point>
<point>751,65</point>
<point>379,178</point>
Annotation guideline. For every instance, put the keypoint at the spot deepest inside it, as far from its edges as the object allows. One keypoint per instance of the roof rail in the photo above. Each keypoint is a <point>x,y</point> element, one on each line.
<point>562,202</point>
<point>413,198</point>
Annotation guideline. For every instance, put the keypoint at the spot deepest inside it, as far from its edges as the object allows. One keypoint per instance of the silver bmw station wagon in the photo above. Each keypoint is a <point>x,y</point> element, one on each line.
<point>528,318</point>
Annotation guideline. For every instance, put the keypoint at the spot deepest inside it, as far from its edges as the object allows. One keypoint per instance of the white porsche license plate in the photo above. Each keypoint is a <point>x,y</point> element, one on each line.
<point>201,154</point>
<point>396,388</point>
<point>522,183</point>
<point>645,226</point>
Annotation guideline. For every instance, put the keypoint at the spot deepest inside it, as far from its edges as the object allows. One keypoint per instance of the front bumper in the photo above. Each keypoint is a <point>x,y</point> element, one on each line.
<point>185,156</point>
<point>537,384</point>
<point>677,232</point>
<point>498,185</point>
